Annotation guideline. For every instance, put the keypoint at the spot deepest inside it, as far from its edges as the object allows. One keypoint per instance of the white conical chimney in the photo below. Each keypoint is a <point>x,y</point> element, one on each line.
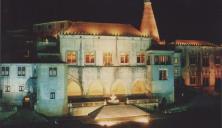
<point>148,25</point>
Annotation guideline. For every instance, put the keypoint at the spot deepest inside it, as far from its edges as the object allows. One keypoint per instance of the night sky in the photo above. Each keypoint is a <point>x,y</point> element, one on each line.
<point>176,19</point>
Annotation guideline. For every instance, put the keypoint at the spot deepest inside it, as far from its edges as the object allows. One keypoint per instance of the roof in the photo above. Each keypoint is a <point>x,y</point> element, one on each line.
<point>92,28</point>
<point>194,43</point>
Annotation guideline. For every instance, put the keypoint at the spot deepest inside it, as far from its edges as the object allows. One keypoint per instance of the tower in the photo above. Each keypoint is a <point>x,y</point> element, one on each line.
<point>148,24</point>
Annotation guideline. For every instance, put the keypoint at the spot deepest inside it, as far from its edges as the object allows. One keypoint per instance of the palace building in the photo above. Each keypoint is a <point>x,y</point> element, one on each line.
<point>82,63</point>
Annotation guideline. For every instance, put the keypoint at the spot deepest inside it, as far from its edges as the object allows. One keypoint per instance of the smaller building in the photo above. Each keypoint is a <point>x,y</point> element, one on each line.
<point>201,64</point>
<point>16,80</point>
<point>51,91</point>
<point>160,74</point>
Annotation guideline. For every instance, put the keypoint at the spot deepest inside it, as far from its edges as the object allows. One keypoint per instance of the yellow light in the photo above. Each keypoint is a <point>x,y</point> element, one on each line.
<point>108,123</point>
<point>142,119</point>
<point>27,99</point>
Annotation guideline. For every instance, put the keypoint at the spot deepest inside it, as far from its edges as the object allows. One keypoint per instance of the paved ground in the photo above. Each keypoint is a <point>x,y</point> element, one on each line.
<point>205,113</point>
<point>25,118</point>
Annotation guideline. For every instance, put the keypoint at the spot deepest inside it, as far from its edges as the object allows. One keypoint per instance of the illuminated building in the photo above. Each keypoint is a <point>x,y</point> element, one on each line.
<point>92,61</point>
<point>201,64</point>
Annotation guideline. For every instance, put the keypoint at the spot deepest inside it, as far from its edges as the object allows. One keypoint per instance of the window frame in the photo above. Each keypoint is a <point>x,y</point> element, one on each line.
<point>125,58</point>
<point>53,72</point>
<point>217,60</point>
<point>7,88</point>
<point>141,57</point>
<point>163,74</point>
<point>205,61</point>
<point>75,56</point>
<point>92,56</point>
<point>52,95</point>
<point>1,93</point>
<point>21,88</point>
<point>6,71</point>
<point>21,71</point>
<point>107,58</point>
<point>162,60</point>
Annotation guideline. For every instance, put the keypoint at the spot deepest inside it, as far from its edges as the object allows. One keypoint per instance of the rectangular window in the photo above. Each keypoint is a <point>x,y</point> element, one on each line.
<point>52,71</point>
<point>148,60</point>
<point>176,71</point>
<point>193,59</point>
<point>162,60</point>
<point>124,58</point>
<point>21,71</point>
<point>107,58</point>
<point>140,58</point>
<point>205,82</point>
<point>71,57</point>
<point>163,75</point>
<point>217,60</point>
<point>52,95</point>
<point>21,88</point>
<point>192,80</point>
<point>62,25</point>
<point>193,77</point>
<point>7,88</point>
<point>90,57</point>
<point>4,71</point>
<point>205,61</point>
<point>1,93</point>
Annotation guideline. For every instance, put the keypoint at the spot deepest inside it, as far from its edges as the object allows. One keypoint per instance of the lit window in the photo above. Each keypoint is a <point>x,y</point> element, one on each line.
<point>205,61</point>
<point>124,58</point>
<point>7,89</point>
<point>4,71</point>
<point>140,58</point>
<point>21,88</point>
<point>90,57</point>
<point>71,57</point>
<point>52,71</point>
<point>162,60</point>
<point>163,75</point>
<point>52,95</point>
<point>21,71</point>
<point>193,77</point>
<point>107,58</point>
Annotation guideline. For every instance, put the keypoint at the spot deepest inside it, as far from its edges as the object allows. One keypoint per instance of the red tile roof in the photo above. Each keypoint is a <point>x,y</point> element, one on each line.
<point>193,43</point>
<point>91,28</point>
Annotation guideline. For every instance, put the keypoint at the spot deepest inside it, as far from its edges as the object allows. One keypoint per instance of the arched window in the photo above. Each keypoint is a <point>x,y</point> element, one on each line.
<point>107,58</point>
<point>71,57</point>
<point>90,57</point>
<point>124,58</point>
<point>140,58</point>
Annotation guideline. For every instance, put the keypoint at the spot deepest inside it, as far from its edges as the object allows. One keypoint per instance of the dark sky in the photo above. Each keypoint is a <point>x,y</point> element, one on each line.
<point>176,19</point>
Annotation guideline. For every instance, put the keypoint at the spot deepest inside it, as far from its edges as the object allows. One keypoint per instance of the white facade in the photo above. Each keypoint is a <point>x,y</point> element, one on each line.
<point>15,82</point>
<point>51,91</point>
<point>81,44</point>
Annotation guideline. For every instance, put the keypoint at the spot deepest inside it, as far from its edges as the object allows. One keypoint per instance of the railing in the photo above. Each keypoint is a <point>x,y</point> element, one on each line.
<point>87,104</point>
